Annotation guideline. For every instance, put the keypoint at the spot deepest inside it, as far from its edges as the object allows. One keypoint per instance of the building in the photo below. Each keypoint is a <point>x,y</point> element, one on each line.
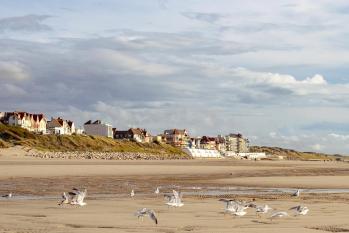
<point>98,128</point>
<point>133,134</point>
<point>202,153</point>
<point>236,143</point>
<point>208,143</point>
<point>177,137</point>
<point>60,126</point>
<point>34,122</point>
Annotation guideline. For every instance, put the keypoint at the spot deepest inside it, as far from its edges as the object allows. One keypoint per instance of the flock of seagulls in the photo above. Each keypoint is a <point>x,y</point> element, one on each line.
<point>232,207</point>
<point>238,208</point>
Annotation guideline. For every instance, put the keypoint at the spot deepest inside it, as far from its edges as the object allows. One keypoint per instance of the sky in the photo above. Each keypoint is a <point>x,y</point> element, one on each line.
<point>275,71</point>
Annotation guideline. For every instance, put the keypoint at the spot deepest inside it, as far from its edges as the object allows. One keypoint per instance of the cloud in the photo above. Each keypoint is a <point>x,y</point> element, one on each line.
<point>204,17</point>
<point>317,147</point>
<point>30,23</point>
<point>119,62</point>
<point>9,90</point>
<point>13,71</point>
<point>339,136</point>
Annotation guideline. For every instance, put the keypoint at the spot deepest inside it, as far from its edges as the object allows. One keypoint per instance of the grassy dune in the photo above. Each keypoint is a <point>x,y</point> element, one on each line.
<point>10,136</point>
<point>292,154</point>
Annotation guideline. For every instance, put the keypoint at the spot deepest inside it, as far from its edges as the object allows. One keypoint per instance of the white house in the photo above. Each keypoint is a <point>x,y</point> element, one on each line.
<point>98,128</point>
<point>60,126</point>
<point>32,122</point>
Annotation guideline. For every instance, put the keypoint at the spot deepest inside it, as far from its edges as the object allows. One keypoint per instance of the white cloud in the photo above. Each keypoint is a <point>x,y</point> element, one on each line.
<point>317,147</point>
<point>12,70</point>
<point>339,136</point>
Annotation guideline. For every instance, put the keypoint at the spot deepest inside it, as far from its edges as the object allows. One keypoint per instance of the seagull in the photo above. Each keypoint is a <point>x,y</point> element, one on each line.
<point>300,210</point>
<point>150,213</point>
<point>262,209</point>
<point>65,199</point>
<point>157,190</point>
<point>7,196</point>
<point>233,207</point>
<point>77,197</point>
<point>297,193</point>
<point>278,215</point>
<point>174,200</point>
<point>132,194</point>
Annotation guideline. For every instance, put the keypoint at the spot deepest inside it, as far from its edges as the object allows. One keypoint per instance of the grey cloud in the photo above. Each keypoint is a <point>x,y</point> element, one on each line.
<point>278,27</point>
<point>30,23</point>
<point>204,17</point>
<point>327,127</point>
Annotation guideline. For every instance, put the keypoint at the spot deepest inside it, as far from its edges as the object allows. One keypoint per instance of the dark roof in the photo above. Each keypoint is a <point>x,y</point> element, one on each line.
<point>175,131</point>
<point>54,123</point>
<point>88,122</point>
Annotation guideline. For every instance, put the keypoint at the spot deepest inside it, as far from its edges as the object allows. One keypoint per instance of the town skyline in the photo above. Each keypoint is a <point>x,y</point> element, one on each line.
<point>275,71</point>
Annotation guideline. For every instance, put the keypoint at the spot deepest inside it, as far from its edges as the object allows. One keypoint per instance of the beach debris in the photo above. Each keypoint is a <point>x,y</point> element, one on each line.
<point>146,212</point>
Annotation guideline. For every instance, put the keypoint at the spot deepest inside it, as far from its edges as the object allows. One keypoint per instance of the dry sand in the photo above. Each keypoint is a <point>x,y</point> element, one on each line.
<point>110,209</point>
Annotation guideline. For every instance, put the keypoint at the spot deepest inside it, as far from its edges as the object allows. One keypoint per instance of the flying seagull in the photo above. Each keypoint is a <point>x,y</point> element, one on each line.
<point>300,210</point>
<point>174,200</point>
<point>65,199</point>
<point>234,207</point>
<point>279,214</point>
<point>78,197</point>
<point>147,212</point>
<point>262,209</point>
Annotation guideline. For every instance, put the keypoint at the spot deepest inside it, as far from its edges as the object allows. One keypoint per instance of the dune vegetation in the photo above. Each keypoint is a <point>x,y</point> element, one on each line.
<point>11,136</point>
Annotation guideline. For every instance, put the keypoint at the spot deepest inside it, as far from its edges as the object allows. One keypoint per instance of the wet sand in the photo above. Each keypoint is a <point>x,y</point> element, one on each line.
<point>110,209</point>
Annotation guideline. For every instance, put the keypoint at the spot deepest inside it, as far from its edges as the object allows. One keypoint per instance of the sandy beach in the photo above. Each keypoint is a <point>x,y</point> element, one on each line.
<point>37,185</point>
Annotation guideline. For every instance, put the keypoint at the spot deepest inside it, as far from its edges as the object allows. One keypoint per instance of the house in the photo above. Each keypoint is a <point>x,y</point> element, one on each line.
<point>220,143</point>
<point>236,143</point>
<point>98,128</point>
<point>208,143</point>
<point>177,137</point>
<point>32,122</point>
<point>60,126</point>
<point>134,134</point>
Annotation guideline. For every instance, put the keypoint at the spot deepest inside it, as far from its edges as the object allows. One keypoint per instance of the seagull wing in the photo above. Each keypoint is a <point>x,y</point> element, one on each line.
<point>152,216</point>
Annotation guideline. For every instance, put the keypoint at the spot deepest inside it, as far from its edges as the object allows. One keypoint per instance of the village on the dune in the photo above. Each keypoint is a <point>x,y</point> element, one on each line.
<point>231,145</point>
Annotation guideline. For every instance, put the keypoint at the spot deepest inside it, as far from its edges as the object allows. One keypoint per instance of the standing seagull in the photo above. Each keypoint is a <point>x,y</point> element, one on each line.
<point>157,190</point>
<point>174,200</point>
<point>300,210</point>
<point>132,194</point>
<point>7,196</point>
<point>297,193</point>
<point>150,213</point>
